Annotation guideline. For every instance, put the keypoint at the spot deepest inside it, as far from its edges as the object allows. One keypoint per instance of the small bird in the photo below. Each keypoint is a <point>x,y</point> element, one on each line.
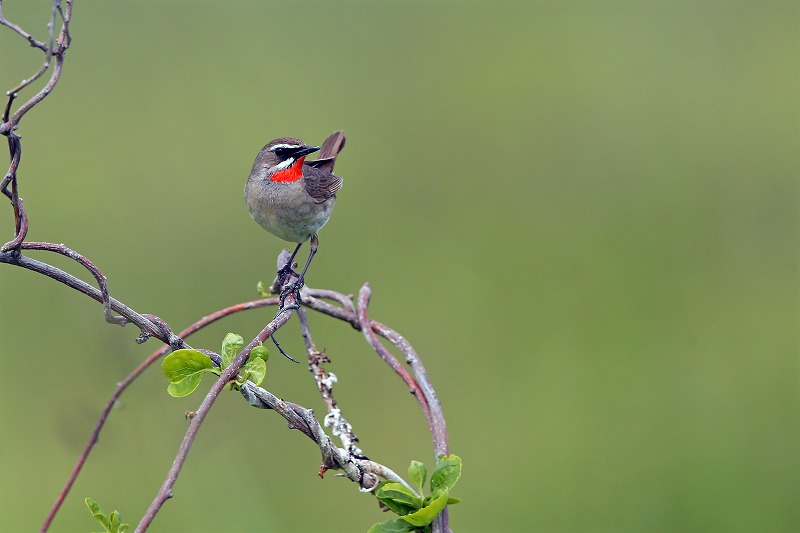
<point>292,198</point>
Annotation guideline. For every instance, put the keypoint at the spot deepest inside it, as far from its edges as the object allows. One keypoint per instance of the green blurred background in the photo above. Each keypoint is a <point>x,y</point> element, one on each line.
<point>584,216</point>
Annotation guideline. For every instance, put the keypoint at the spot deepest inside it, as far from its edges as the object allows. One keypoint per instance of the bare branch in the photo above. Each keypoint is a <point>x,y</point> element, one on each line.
<point>148,326</point>
<point>228,375</point>
<point>324,380</point>
<point>33,42</point>
<point>58,51</point>
<point>360,470</point>
<point>388,358</point>
<point>83,261</point>
<point>122,385</point>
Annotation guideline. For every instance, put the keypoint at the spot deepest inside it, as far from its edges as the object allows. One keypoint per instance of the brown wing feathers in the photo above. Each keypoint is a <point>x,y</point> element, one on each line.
<point>320,183</point>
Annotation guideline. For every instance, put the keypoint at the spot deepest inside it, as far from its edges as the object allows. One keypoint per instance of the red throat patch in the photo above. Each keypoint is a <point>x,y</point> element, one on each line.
<point>292,173</point>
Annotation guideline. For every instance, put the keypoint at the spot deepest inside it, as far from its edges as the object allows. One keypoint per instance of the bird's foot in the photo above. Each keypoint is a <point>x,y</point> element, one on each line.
<point>287,270</point>
<point>294,288</point>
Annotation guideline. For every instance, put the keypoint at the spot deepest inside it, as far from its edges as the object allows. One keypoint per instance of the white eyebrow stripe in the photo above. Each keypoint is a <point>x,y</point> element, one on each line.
<point>284,164</point>
<point>293,146</point>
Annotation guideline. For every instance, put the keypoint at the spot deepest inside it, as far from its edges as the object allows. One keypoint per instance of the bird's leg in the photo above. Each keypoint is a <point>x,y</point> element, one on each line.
<point>314,244</point>
<point>295,288</point>
<point>287,268</point>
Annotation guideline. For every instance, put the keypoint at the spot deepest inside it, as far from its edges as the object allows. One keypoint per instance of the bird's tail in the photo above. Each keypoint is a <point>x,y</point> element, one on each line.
<point>330,149</point>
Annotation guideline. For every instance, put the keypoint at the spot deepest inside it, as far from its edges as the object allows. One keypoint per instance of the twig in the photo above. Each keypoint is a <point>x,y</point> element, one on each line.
<point>148,326</point>
<point>360,470</point>
<point>227,375</point>
<point>83,261</point>
<point>324,380</point>
<point>122,385</point>
<point>58,51</point>
<point>33,42</point>
<point>439,427</point>
<point>10,123</point>
<point>388,358</point>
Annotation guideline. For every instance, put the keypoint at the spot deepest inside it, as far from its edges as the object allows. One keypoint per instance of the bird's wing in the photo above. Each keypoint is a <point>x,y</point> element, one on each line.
<point>321,185</point>
<point>327,154</point>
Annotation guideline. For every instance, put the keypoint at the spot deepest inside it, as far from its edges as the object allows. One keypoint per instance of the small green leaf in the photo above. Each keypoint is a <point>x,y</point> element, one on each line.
<point>255,371</point>
<point>94,508</point>
<point>115,519</point>
<point>262,290</point>
<point>445,475</point>
<point>392,526</point>
<point>425,516</point>
<point>417,473</point>
<point>184,369</point>
<point>453,501</point>
<point>230,347</point>
<point>397,498</point>
<point>259,351</point>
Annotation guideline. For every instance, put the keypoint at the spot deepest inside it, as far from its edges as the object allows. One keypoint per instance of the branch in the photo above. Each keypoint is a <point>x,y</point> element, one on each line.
<point>33,42</point>
<point>360,470</point>
<point>58,51</point>
<point>324,380</point>
<point>122,385</point>
<point>229,374</point>
<point>10,123</point>
<point>150,325</point>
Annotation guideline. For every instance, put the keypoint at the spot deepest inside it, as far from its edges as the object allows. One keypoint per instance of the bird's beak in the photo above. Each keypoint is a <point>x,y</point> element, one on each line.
<point>305,151</point>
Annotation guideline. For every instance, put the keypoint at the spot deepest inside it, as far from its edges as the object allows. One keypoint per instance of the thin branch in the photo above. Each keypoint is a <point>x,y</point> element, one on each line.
<point>386,356</point>
<point>122,385</point>
<point>440,439</point>
<point>88,265</point>
<point>360,470</point>
<point>25,35</point>
<point>149,326</point>
<point>229,374</point>
<point>58,52</point>
<point>325,380</point>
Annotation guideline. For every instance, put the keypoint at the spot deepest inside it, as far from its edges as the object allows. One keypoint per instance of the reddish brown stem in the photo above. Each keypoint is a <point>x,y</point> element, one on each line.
<point>229,374</point>
<point>122,385</point>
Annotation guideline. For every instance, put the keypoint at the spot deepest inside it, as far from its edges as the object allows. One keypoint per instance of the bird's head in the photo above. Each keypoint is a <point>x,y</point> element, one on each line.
<point>283,158</point>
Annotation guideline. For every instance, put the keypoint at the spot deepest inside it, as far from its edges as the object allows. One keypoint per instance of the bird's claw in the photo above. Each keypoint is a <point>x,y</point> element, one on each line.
<point>293,289</point>
<point>287,270</point>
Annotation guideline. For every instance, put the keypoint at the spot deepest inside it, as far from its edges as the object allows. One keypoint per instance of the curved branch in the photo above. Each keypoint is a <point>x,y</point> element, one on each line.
<point>88,265</point>
<point>148,326</point>
<point>58,51</point>
<point>359,470</point>
<point>388,358</point>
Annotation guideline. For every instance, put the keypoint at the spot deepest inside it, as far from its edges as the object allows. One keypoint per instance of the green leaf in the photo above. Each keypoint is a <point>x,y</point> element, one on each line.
<point>263,291</point>
<point>453,501</point>
<point>115,519</point>
<point>398,498</point>
<point>417,473</point>
<point>445,475</point>
<point>259,351</point>
<point>94,508</point>
<point>425,516</point>
<point>392,526</point>
<point>255,371</point>
<point>184,369</point>
<point>230,347</point>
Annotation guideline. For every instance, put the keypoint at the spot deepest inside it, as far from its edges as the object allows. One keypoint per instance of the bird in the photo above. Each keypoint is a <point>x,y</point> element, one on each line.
<point>292,198</point>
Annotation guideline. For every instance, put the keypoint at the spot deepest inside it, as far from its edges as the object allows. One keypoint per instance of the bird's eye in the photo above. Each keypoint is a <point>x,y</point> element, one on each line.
<point>282,152</point>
